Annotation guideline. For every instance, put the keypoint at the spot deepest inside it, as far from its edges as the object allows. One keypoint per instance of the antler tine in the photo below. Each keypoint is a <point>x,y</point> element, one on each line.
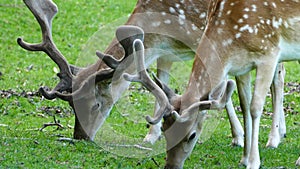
<point>213,103</point>
<point>98,76</point>
<point>44,11</point>
<point>189,113</point>
<point>143,77</point>
<point>109,60</point>
<point>125,34</point>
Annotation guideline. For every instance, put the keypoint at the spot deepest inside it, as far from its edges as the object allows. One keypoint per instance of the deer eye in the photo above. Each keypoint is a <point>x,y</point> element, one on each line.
<point>95,107</point>
<point>192,136</point>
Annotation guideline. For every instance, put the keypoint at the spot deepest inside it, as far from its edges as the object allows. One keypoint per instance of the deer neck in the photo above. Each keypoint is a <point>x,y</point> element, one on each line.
<point>209,70</point>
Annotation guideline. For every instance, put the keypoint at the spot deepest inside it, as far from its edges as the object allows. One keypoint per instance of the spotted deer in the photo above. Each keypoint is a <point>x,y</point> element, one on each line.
<point>240,36</point>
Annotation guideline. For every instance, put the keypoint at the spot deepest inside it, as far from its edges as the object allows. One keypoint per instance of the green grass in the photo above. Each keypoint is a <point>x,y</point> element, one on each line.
<point>22,145</point>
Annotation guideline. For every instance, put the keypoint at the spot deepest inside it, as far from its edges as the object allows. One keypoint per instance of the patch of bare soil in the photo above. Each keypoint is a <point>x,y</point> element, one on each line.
<point>5,94</point>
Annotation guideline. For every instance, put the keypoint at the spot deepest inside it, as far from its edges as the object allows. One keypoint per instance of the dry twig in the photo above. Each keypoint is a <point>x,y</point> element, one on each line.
<point>56,123</point>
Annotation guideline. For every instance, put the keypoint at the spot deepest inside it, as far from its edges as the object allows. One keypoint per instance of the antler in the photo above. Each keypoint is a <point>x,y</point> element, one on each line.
<point>143,77</point>
<point>126,35</point>
<point>44,11</point>
<point>86,85</point>
<point>218,98</point>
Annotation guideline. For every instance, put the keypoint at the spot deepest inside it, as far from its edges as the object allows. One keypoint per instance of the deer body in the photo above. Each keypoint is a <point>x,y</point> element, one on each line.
<point>187,32</point>
<point>251,35</point>
<point>240,36</point>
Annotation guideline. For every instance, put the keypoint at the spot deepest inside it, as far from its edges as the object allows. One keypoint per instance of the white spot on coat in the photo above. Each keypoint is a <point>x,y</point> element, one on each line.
<point>156,24</point>
<point>172,10</point>
<point>246,27</point>
<point>202,15</point>
<point>227,42</point>
<point>245,16</point>
<point>238,35</point>
<point>194,27</point>
<point>247,9</point>
<point>168,21</point>
<point>254,8</point>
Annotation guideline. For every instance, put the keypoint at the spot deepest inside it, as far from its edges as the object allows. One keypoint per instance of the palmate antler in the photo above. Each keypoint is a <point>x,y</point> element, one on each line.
<point>125,36</point>
<point>143,77</point>
<point>44,11</point>
<point>216,100</point>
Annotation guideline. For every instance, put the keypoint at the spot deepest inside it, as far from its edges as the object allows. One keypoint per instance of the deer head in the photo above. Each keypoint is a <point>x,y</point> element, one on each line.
<point>87,90</point>
<point>182,121</point>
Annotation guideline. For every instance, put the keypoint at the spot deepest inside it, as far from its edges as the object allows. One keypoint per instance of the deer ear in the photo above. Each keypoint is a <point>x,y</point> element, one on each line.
<point>221,94</point>
<point>217,92</point>
<point>126,35</point>
<point>229,90</point>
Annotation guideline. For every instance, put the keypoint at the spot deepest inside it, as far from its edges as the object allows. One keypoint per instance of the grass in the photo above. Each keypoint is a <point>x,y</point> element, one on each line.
<point>22,145</point>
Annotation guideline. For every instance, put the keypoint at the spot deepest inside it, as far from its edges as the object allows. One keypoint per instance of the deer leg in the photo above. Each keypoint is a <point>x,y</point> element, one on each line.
<point>163,69</point>
<point>236,127</point>
<point>298,162</point>
<point>264,77</point>
<point>244,90</point>
<point>278,128</point>
<point>282,124</point>
<point>155,130</point>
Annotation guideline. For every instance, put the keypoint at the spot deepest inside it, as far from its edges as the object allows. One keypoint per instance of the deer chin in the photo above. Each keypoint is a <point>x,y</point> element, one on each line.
<point>186,134</point>
<point>177,155</point>
<point>87,127</point>
<point>172,167</point>
<point>175,158</point>
<point>94,106</point>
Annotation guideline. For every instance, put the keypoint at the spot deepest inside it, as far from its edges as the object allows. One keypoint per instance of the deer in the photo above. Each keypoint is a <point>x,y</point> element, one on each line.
<point>79,76</point>
<point>240,37</point>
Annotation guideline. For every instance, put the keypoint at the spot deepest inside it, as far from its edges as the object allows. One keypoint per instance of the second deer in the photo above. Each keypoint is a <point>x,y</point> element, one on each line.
<point>240,36</point>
